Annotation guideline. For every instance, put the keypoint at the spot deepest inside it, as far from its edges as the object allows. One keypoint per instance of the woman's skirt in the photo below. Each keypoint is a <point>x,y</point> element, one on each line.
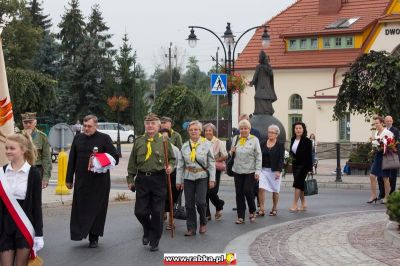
<point>268,182</point>
<point>376,168</point>
<point>11,238</point>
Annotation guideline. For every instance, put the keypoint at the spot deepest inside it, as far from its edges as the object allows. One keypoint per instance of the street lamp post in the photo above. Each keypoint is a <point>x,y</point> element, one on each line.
<point>229,53</point>
<point>118,80</point>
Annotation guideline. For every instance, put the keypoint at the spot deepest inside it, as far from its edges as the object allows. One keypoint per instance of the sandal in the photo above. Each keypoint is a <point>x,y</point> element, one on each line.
<point>273,213</point>
<point>252,217</point>
<point>240,221</point>
<point>170,227</point>
<point>218,215</point>
<point>260,213</point>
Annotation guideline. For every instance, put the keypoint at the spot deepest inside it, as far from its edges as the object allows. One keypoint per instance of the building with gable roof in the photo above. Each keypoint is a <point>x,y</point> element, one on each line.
<point>313,43</point>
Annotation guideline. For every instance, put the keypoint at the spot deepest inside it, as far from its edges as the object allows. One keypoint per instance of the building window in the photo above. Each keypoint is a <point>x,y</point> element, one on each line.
<point>338,42</point>
<point>349,41</point>
<point>292,44</point>
<point>344,128</point>
<point>296,102</point>
<point>303,43</point>
<point>327,42</point>
<point>314,43</point>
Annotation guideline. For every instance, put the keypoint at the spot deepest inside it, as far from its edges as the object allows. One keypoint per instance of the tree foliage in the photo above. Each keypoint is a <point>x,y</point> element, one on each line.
<point>194,78</point>
<point>179,103</point>
<point>371,86</point>
<point>38,18</point>
<point>30,91</point>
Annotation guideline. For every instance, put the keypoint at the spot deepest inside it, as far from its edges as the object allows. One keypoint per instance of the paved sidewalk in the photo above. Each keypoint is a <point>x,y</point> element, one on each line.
<point>355,238</point>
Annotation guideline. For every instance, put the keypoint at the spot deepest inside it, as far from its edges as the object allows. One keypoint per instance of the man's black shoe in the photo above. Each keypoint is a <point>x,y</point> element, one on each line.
<point>145,241</point>
<point>93,244</point>
<point>154,248</point>
<point>234,209</point>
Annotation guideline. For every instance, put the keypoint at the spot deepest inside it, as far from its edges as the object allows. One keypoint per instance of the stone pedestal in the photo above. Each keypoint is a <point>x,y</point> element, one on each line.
<point>262,122</point>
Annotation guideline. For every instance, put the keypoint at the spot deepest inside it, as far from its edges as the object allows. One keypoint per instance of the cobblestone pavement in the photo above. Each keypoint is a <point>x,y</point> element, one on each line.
<point>341,239</point>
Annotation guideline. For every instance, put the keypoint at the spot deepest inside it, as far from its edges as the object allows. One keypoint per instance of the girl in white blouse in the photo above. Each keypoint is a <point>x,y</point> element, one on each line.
<point>24,184</point>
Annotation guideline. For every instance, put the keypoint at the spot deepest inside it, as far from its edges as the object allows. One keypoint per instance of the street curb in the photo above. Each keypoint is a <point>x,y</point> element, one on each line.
<point>392,235</point>
<point>335,185</point>
<point>241,244</point>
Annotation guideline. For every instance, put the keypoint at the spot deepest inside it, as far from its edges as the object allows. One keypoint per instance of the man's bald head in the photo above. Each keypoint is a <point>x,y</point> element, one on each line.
<point>388,121</point>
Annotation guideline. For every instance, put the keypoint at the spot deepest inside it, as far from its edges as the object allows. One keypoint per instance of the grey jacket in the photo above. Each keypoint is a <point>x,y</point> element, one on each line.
<point>205,156</point>
<point>248,158</point>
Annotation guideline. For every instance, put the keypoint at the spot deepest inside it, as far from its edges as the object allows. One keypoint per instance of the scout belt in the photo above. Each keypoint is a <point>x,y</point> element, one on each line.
<point>194,170</point>
<point>154,173</point>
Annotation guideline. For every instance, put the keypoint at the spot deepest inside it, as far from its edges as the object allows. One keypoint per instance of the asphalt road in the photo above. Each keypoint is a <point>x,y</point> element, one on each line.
<point>121,244</point>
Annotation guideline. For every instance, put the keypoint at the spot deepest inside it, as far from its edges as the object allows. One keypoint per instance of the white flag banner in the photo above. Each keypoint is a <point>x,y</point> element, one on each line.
<point>6,112</point>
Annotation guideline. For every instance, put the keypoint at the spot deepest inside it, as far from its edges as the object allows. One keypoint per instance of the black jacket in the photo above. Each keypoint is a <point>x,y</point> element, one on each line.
<point>277,155</point>
<point>303,156</point>
<point>32,204</point>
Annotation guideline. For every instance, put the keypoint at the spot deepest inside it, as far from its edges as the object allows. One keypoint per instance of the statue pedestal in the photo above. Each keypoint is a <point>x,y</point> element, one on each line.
<point>262,122</point>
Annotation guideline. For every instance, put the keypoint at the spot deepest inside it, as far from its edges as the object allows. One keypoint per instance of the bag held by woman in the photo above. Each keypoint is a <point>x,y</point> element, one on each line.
<point>231,160</point>
<point>179,210</point>
<point>390,160</point>
<point>310,185</point>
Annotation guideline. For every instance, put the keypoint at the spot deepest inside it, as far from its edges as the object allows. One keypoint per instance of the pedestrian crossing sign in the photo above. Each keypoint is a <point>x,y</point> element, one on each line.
<point>219,84</point>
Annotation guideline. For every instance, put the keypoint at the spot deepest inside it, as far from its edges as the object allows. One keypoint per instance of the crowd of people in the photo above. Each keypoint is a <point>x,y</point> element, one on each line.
<point>194,166</point>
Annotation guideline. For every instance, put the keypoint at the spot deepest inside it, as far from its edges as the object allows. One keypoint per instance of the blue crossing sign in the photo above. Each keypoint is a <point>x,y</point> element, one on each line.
<point>219,84</point>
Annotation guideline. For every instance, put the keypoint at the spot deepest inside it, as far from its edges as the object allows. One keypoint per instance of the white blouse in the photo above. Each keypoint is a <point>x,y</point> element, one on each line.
<point>295,145</point>
<point>18,180</point>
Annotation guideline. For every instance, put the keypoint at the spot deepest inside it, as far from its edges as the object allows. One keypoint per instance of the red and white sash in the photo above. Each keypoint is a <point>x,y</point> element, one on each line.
<point>17,213</point>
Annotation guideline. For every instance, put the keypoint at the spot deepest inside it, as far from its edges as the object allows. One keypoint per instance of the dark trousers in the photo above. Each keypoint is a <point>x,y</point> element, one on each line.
<point>392,181</point>
<point>244,187</point>
<point>212,195</point>
<point>195,194</point>
<point>149,206</point>
<point>175,192</point>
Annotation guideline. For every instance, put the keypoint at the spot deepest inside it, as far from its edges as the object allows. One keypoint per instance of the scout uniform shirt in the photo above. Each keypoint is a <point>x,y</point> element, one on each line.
<point>190,169</point>
<point>155,163</point>
<point>248,156</point>
<point>43,152</point>
<point>176,139</point>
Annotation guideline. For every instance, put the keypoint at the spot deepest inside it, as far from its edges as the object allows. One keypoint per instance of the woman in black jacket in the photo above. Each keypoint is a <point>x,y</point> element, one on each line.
<point>273,153</point>
<point>25,185</point>
<point>301,151</point>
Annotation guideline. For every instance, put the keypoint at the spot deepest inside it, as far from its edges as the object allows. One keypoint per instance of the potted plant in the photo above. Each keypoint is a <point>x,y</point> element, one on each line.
<point>287,164</point>
<point>393,207</point>
<point>360,158</point>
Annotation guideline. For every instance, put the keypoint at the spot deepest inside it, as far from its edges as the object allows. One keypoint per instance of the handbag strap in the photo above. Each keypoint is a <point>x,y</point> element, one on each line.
<point>179,200</point>
<point>202,166</point>
<point>237,140</point>
<point>310,175</point>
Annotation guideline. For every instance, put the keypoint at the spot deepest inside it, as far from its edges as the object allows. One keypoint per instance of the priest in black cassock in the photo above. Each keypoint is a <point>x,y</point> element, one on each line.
<point>90,199</point>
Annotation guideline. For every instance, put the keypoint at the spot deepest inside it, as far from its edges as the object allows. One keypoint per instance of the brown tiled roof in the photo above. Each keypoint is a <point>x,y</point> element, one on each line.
<point>303,18</point>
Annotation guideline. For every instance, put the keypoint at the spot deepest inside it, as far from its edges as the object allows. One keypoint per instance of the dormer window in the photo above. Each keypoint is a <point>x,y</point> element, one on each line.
<point>342,23</point>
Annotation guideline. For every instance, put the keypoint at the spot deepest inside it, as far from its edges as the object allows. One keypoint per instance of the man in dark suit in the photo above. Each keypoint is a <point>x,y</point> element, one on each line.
<point>395,131</point>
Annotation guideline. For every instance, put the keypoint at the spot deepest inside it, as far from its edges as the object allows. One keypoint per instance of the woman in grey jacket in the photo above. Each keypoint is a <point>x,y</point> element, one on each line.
<point>196,164</point>
<point>246,170</point>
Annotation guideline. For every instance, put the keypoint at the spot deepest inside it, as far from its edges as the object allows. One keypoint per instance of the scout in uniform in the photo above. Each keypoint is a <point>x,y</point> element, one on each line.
<point>147,174</point>
<point>39,138</point>
<point>176,138</point>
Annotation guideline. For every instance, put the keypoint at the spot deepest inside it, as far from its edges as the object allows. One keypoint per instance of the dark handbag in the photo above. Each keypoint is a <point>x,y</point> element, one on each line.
<point>390,160</point>
<point>179,210</point>
<point>310,185</point>
<point>231,160</point>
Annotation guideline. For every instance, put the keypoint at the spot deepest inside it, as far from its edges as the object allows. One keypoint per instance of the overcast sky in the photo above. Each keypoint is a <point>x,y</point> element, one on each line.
<point>152,25</point>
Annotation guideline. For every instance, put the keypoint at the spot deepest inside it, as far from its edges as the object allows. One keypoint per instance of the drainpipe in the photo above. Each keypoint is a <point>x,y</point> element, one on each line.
<point>334,77</point>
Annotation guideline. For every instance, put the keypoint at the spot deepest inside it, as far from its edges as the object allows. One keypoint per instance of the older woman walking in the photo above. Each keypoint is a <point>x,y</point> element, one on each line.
<point>220,155</point>
<point>246,170</point>
<point>301,151</point>
<point>195,173</point>
<point>273,153</point>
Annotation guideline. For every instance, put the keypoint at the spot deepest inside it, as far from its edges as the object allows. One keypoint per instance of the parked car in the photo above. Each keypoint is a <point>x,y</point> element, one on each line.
<point>111,129</point>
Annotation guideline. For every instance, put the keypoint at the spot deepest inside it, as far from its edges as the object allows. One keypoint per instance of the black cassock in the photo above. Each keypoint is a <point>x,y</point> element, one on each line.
<point>91,190</point>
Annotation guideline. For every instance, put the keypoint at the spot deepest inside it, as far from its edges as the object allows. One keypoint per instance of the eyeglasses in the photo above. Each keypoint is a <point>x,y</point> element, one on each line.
<point>28,121</point>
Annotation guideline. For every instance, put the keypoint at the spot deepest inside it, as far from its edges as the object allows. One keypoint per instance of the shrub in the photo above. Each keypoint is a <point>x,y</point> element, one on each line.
<point>393,207</point>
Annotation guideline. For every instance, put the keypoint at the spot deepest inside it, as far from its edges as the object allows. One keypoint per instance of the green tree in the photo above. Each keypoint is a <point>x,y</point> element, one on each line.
<point>48,57</point>
<point>162,78</point>
<point>194,78</point>
<point>38,18</point>
<point>179,103</point>
<point>71,30</point>
<point>21,41</point>
<point>30,91</point>
<point>370,87</point>
<point>10,8</point>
